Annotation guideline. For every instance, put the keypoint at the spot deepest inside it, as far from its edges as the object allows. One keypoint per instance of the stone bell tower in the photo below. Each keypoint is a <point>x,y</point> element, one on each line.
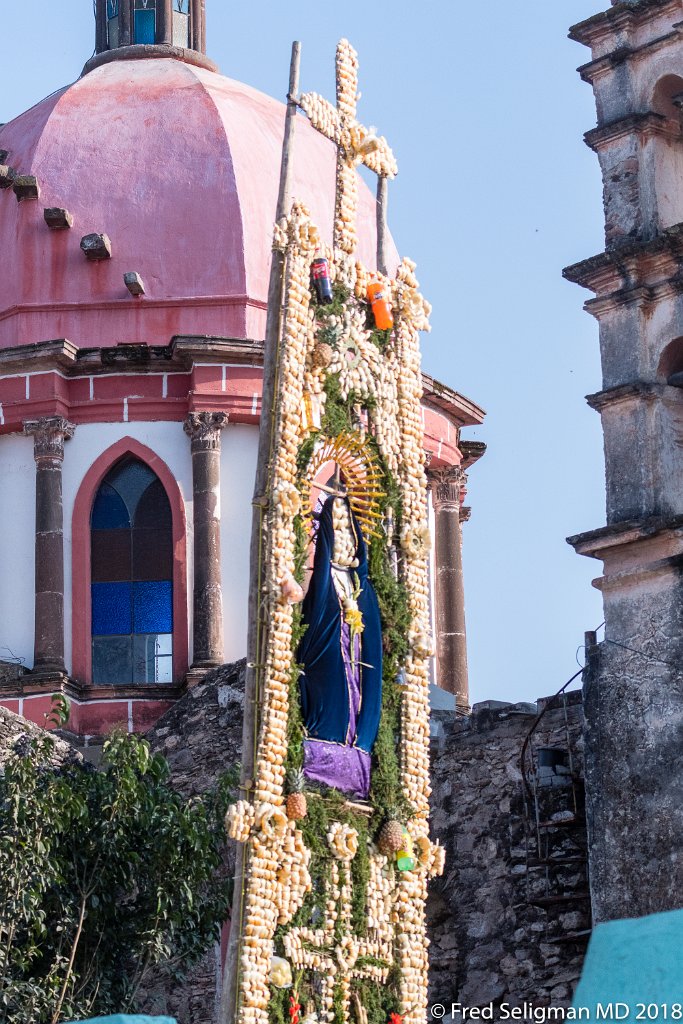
<point>634,678</point>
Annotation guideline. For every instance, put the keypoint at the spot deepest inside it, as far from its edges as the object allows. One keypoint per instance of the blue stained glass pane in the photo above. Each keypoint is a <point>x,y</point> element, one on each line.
<point>112,8</point>
<point>182,6</point>
<point>109,511</point>
<point>111,609</point>
<point>153,610</point>
<point>145,26</point>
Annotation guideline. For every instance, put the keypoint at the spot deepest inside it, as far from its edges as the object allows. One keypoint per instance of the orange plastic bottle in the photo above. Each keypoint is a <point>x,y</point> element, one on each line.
<point>380,306</point>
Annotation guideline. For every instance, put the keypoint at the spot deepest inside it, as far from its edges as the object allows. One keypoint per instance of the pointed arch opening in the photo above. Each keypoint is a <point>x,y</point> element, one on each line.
<point>130,628</point>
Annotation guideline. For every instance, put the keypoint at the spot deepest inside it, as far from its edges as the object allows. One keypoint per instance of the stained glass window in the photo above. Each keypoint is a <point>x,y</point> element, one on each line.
<point>182,6</point>
<point>145,21</point>
<point>131,569</point>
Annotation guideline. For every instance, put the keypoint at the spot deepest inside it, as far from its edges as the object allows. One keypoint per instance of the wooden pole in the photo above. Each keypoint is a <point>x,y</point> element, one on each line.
<point>382,229</point>
<point>252,695</point>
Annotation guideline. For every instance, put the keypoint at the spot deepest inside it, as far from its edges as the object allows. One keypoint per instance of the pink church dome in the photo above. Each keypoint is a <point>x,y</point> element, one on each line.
<point>179,167</point>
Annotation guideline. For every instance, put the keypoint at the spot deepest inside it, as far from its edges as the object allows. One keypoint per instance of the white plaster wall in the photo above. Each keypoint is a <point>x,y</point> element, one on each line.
<point>167,440</point>
<point>17,546</point>
<point>238,467</point>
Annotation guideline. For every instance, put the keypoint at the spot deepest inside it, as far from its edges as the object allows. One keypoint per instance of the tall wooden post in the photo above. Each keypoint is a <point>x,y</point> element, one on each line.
<point>256,575</point>
<point>382,228</point>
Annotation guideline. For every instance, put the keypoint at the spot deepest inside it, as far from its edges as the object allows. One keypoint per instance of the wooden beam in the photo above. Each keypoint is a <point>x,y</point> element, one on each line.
<point>255,656</point>
<point>382,229</point>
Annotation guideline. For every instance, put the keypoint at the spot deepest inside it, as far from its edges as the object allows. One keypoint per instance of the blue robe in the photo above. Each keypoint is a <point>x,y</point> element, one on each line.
<point>324,689</point>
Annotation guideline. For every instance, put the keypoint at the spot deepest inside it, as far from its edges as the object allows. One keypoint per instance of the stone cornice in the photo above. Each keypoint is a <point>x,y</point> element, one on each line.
<point>630,265</point>
<point>462,409</point>
<point>643,125</point>
<point>140,51</point>
<point>184,352</point>
<point>645,390</point>
<point>597,543</point>
<point>472,451</point>
<point>621,17</point>
<point>590,71</point>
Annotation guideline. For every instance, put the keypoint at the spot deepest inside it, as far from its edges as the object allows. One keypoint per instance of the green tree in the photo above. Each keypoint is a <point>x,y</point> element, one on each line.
<point>104,875</point>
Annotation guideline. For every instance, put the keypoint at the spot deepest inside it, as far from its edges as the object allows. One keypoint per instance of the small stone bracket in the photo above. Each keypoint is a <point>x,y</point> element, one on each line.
<point>26,186</point>
<point>58,219</point>
<point>96,247</point>
<point>134,283</point>
<point>7,176</point>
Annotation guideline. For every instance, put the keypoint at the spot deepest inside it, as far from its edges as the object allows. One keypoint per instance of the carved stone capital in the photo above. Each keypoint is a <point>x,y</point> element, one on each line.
<point>49,435</point>
<point>446,486</point>
<point>204,430</point>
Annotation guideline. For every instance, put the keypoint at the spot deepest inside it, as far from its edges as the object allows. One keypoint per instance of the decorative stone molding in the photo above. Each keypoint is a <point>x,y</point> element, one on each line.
<point>204,430</point>
<point>447,486</point>
<point>49,435</point>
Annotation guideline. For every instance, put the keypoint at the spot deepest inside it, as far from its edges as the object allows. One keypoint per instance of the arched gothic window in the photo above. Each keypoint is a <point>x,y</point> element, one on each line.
<point>131,578</point>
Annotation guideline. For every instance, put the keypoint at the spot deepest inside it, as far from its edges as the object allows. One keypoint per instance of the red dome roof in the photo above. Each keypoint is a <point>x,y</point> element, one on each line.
<point>179,166</point>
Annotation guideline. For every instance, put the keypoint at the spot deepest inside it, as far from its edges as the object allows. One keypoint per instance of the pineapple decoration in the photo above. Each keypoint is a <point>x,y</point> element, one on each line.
<point>391,837</point>
<point>297,806</point>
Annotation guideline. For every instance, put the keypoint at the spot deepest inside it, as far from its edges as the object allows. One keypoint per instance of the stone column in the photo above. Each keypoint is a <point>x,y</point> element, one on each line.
<point>164,22</point>
<point>204,430</point>
<point>49,435</point>
<point>449,590</point>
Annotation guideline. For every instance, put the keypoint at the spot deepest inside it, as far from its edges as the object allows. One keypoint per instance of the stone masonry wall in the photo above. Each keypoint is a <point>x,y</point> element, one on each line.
<point>509,918</point>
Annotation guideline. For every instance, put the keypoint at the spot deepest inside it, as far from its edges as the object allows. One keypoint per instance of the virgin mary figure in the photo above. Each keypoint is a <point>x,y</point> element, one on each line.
<point>341,656</point>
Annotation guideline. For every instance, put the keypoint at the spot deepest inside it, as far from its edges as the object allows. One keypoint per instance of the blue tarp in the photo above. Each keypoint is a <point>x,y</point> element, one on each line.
<point>634,970</point>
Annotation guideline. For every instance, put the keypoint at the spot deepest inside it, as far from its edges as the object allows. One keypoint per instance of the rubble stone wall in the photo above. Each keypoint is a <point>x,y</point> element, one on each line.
<point>506,927</point>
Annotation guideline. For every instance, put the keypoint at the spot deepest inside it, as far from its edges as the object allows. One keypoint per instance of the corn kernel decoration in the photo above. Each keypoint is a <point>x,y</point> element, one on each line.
<point>320,344</point>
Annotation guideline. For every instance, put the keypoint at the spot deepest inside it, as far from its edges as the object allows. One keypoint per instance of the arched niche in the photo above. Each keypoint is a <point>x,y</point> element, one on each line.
<point>670,367</point>
<point>666,101</point>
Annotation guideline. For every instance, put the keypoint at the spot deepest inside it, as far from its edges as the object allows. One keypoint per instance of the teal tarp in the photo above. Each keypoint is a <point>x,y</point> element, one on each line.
<point>120,1018</point>
<point>631,968</point>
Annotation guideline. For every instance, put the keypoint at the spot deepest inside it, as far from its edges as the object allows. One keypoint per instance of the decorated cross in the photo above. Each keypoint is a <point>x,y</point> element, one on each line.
<point>333,952</point>
<point>355,144</point>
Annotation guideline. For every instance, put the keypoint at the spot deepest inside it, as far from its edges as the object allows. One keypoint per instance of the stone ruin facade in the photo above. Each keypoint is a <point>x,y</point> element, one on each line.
<point>634,683</point>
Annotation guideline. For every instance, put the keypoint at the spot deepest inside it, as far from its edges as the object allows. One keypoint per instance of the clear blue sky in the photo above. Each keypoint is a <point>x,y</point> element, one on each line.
<point>496,193</point>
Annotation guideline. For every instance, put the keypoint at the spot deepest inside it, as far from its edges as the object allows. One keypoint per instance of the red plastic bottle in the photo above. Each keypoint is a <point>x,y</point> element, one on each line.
<point>320,272</point>
<point>381,308</point>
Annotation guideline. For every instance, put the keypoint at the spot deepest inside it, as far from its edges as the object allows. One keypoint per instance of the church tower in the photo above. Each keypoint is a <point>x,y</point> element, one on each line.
<point>132,321</point>
<point>634,678</point>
